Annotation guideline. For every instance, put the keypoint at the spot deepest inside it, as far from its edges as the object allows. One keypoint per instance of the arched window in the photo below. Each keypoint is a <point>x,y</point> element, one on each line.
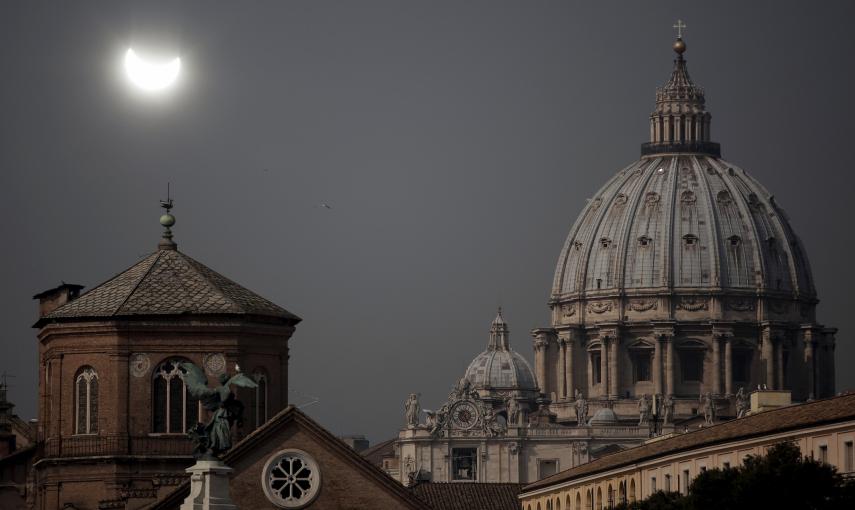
<point>632,491</point>
<point>578,501</point>
<point>174,410</point>
<point>86,397</point>
<point>258,401</point>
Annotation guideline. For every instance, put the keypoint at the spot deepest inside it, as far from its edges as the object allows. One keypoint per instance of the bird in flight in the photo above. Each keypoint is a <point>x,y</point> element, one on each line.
<point>324,205</point>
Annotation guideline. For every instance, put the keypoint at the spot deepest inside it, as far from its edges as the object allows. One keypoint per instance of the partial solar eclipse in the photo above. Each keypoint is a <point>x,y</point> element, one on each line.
<point>151,76</point>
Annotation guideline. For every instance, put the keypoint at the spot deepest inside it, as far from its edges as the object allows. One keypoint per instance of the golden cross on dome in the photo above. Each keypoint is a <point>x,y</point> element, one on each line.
<point>680,26</point>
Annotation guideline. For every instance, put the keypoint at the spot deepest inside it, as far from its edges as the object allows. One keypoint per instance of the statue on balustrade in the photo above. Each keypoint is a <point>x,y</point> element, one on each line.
<point>581,409</point>
<point>668,410</point>
<point>643,410</point>
<point>742,404</point>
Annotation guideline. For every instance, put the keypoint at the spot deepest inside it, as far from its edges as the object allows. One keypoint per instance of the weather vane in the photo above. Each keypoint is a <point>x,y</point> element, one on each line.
<point>680,26</point>
<point>167,204</point>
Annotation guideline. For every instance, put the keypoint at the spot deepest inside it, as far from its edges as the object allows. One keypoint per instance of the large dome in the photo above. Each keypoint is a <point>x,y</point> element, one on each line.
<point>681,276</point>
<point>499,368</point>
<point>683,222</point>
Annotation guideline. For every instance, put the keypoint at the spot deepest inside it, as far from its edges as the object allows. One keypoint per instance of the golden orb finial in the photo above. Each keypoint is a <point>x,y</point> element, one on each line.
<point>679,46</point>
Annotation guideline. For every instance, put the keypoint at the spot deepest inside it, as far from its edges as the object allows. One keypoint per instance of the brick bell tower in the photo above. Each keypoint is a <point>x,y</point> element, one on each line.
<point>113,409</point>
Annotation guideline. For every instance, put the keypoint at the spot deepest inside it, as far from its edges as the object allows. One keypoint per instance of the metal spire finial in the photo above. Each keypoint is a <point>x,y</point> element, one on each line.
<point>167,220</point>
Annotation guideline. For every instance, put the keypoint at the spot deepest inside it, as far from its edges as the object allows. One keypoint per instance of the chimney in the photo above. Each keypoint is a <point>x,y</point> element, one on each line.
<point>766,400</point>
<point>357,442</point>
<point>52,299</point>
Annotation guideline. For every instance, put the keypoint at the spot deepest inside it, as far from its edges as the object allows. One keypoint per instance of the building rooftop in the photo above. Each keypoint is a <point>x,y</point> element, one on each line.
<point>167,282</point>
<point>784,419</point>
<point>469,496</point>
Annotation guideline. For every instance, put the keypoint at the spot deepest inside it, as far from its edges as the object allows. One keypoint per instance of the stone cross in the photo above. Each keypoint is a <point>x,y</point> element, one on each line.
<point>680,26</point>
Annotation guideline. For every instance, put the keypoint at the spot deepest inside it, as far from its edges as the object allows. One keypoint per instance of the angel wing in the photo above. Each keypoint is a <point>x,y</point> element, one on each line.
<point>196,381</point>
<point>239,379</point>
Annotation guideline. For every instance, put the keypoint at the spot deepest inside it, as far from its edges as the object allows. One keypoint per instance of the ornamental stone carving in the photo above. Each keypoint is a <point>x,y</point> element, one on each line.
<point>651,198</point>
<point>139,364</point>
<point>568,310</point>
<point>600,307</point>
<point>693,303</point>
<point>215,364</point>
<point>642,305</point>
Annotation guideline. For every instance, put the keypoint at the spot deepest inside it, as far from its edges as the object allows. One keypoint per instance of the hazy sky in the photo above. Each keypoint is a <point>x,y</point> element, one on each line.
<point>455,141</point>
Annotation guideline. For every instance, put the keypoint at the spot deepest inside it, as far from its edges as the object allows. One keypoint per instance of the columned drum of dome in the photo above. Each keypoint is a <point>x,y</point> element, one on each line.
<point>681,276</point>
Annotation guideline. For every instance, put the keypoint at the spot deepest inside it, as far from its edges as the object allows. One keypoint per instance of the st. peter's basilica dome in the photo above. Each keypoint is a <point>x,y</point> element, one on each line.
<point>681,276</point>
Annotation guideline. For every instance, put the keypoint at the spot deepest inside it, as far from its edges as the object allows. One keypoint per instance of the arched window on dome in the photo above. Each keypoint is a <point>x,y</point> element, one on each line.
<point>641,356</point>
<point>258,401</point>
<point>86,401</point>
<point>595,359</point>
<point>174,410</point>
<point>632,490</point>
<point>589,500</point>
<point>578,501</point>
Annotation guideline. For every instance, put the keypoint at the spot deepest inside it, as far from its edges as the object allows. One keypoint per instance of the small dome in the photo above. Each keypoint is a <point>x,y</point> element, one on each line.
<point>604,417</point>
<point>499,367</point>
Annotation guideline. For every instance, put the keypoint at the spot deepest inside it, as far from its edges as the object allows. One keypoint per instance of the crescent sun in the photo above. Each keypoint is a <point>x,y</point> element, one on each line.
<point>151,76</point>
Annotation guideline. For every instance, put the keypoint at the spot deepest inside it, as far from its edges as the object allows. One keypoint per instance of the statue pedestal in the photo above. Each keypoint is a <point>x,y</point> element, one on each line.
<point>209,487</point>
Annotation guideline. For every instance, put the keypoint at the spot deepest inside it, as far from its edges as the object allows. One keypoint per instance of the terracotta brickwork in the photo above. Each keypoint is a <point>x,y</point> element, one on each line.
<point>99,355</point>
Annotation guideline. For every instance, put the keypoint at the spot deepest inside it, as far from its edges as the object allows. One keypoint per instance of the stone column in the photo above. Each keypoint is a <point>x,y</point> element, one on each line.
<point>669,364</point>
<point>767,358</point>
<point>657,366</point>
<point>610,337</point>
<point>540,344</point>
<point>614,367</point>
<point>728,366</point>
<point>716,356</point>
<point>810,352</point>
<point>779,362</point>
<point>562,381</point>
<point>568,369</point>
<point>604,367</point>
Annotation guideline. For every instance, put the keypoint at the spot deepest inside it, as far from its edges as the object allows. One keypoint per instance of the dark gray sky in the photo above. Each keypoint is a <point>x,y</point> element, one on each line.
<point>455,141</point>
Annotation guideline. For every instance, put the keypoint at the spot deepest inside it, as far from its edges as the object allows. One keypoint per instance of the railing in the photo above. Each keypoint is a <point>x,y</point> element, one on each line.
<point>96,445</point>
<point>711,148</point>
<point>630,432</point>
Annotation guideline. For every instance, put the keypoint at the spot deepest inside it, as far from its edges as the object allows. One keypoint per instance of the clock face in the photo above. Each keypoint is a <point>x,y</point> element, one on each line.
<point>464,415</point>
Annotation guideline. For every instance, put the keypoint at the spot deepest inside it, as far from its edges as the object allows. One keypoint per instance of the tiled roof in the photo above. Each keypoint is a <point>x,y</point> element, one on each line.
<point>469,496</point>
<point>168,282</point>
<point>376,453</point>
<point>784,419</point>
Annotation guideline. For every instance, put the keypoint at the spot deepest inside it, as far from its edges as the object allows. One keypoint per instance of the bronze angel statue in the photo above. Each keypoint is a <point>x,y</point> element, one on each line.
<point>215,437</point>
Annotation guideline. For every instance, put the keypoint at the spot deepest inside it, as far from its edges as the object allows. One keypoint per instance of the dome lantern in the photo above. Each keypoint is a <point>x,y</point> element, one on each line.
<point>680,122</point>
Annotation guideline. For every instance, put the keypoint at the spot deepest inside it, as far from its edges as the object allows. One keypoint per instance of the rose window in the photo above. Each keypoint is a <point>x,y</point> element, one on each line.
<point>291,479</point>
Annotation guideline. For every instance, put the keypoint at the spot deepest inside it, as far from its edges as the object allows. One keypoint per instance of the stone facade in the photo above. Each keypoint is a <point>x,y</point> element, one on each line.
<point>824,430</point>
<point>682,276</point>
<point>496,427</point>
